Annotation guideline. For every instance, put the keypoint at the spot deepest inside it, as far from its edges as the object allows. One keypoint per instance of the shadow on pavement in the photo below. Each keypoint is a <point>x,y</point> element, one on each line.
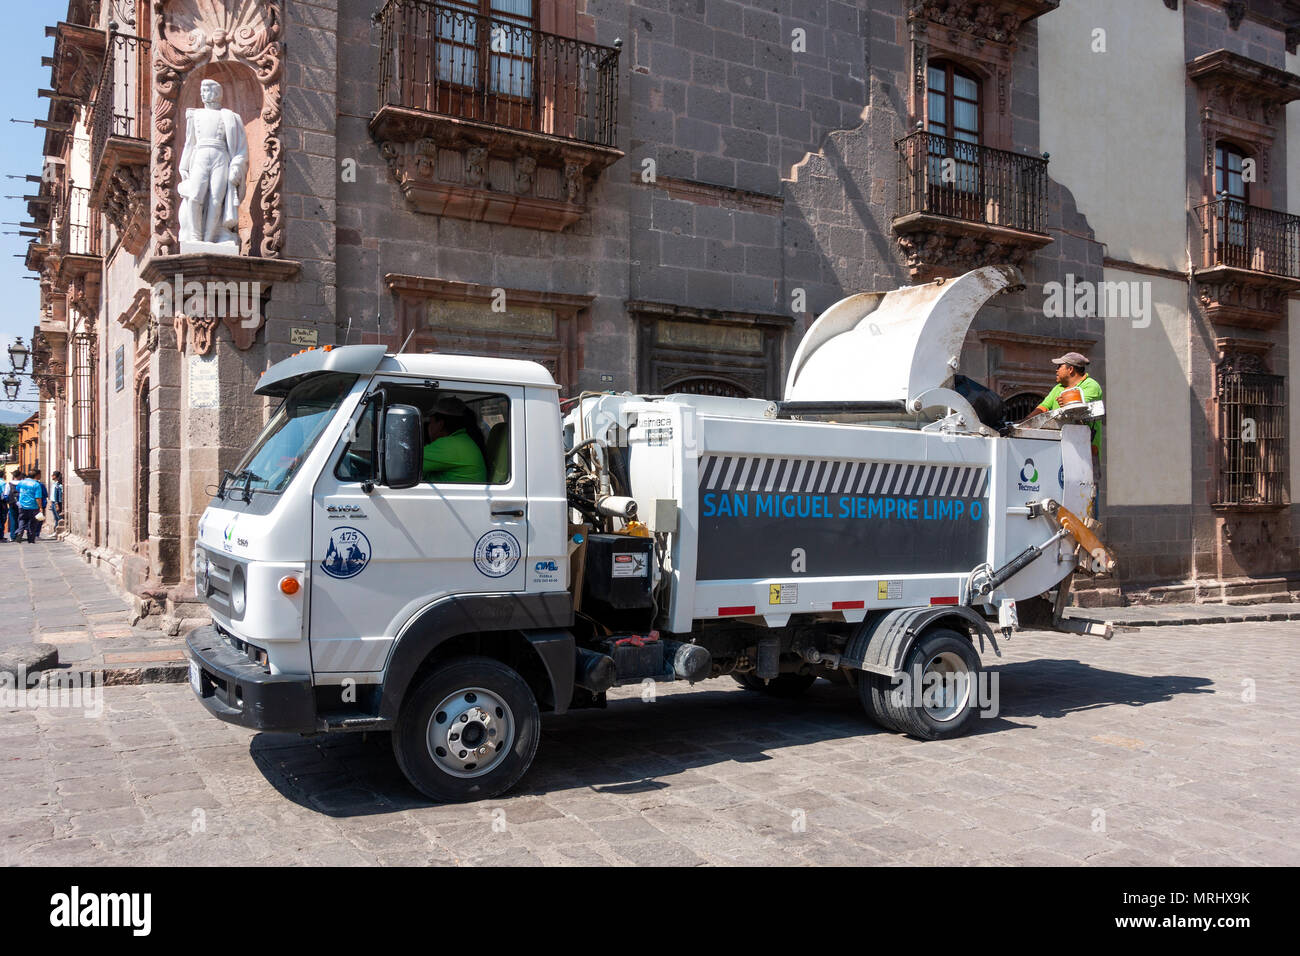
<point>636,746</point>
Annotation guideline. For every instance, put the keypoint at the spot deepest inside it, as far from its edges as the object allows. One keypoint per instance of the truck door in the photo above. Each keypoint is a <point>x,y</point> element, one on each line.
<point>379,557</point>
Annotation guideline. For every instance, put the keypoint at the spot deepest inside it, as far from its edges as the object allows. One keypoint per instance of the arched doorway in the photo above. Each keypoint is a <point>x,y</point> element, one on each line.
<point>1020,406</point>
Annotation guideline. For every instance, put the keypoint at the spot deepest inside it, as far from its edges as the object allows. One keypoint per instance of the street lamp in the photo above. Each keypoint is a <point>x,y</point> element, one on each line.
<point>18,355</point>
<point>11,384</point>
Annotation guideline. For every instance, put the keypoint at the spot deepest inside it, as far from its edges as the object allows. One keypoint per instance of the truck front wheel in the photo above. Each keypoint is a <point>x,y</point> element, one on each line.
<point>467,731</point>
<point>937,695</point>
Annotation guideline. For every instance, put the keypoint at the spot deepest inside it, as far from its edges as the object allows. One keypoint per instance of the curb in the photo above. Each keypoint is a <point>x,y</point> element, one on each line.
<point>1136,622</point>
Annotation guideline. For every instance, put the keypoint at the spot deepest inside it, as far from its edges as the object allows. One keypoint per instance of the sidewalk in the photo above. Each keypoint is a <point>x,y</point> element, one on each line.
<point>1171,615</point>
<point>53,597</point>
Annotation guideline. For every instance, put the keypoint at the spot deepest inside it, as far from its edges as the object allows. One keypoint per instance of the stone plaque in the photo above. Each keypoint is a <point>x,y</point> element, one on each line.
<point>711,337</point>
<point>304,337</point>
<point>204,384</point>
<point>479,317</point>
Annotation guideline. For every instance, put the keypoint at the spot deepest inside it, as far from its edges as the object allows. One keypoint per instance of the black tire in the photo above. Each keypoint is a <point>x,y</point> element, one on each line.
<point>902,708</point>
<point>785,685</point>
<point>477,689</point>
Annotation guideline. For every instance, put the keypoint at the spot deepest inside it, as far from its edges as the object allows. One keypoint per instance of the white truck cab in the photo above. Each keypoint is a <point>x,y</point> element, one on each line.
<point>422,544</point>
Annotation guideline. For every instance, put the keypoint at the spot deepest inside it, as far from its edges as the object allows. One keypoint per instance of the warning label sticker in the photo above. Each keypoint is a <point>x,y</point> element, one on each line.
<point>783,594</point>
<point>629,566</point>
<point>889,590</point>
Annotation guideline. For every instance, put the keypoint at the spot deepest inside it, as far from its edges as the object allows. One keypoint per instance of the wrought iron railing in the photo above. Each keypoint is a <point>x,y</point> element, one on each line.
<point>1248,237</point>
<point>121,105</point>
<point>1252,438</point>
<point>951,177</point>
<point>442,59</point>
<point>85,417</point>
<point>80,228</point>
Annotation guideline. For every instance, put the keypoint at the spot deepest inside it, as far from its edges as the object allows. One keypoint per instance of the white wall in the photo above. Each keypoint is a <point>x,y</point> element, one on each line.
<point>1148,425</point>
<point>1114,123</point>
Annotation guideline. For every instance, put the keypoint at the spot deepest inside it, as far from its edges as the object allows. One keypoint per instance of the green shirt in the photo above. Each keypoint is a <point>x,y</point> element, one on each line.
<point>454,458</point>
<point>1090,389</point>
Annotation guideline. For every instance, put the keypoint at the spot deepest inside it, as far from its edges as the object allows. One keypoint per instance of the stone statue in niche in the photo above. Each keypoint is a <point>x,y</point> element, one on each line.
<point>213,171</point>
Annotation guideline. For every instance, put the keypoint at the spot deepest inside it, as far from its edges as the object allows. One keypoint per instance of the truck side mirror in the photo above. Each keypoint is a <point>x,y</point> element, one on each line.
<point>403,451</point>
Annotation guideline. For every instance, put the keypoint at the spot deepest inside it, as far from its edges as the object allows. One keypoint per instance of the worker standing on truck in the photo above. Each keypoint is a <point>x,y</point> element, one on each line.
<point>455,449</point>
<point>1072,372</point>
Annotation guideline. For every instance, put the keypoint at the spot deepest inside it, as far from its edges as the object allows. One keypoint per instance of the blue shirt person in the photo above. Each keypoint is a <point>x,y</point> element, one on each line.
<point>31,502</point>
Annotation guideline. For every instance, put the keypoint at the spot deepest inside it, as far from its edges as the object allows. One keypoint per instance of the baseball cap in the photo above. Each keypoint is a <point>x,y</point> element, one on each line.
<point>1071,358</point>
<point>451,407</point>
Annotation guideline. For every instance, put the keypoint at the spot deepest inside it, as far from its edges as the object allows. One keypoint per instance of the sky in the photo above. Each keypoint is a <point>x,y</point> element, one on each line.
<point>22,44</point>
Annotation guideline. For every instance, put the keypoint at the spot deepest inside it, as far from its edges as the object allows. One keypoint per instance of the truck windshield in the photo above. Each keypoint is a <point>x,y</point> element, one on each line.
<point>292,431</point>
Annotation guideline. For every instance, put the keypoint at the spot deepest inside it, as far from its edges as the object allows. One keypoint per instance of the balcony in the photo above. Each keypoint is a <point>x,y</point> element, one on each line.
<point>119,140</point>
<point>78,257</point>
<point>1249,262</point>
<point>484,119</point>
<point>962,205</point>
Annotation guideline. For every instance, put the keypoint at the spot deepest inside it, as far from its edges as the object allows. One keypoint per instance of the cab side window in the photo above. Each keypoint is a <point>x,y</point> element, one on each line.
<point>467,438</point>
<point>359,459</point>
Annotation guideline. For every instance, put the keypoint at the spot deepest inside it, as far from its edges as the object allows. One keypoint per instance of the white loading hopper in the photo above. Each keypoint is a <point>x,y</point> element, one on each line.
<point>899,348</point>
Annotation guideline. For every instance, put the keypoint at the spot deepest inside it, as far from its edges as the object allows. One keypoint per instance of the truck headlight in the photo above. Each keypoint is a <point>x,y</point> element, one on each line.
<point>237,595</point>
<point>200,573</point>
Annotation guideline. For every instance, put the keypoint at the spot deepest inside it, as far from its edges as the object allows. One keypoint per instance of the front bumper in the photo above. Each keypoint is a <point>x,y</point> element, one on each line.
<point>239,691</point>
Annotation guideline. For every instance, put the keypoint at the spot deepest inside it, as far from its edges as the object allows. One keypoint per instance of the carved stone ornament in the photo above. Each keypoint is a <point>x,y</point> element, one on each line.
<point>525,167</point>
<point>1241,298</point>
<point>1241,355</point>
<point>449,166</point>
<point>83,294</point>
<point>193,34</point>
<point>948,251</point>
<point>199,329</point>
<point>1236,11</point>
<point>126,204</point>
<point>998,21</point>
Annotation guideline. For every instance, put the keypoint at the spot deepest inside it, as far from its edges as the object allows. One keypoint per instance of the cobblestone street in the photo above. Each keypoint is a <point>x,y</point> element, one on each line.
<point>1173,744</point>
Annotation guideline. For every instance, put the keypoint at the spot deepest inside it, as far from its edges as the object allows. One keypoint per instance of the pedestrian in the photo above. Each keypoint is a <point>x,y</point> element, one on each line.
<point>32,499</point>
<point>10,503</point>
<point>56,498</point>
<point>4,505</point>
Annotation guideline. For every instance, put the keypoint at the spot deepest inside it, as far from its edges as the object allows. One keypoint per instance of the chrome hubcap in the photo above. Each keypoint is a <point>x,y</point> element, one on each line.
<point>470,732</point>
<point>945,686</point>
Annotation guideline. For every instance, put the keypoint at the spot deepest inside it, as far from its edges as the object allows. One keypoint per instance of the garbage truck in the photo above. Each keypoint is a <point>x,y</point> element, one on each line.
<point>869,528</point>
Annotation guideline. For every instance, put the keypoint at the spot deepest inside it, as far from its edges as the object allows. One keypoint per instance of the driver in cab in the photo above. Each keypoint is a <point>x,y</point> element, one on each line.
<point>454,452</point>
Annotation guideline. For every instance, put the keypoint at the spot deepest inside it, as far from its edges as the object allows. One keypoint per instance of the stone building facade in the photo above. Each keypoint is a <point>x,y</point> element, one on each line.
<point>641,194</point>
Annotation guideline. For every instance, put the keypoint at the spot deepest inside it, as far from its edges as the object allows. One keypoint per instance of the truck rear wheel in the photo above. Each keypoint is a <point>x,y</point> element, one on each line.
<point>937,696</point>
<point>468,731</point>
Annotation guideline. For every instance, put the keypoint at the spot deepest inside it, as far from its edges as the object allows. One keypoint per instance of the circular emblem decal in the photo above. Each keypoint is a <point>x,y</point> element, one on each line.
<point>347,555</point>
<point>496,553</point>
<point>1025,471</point>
